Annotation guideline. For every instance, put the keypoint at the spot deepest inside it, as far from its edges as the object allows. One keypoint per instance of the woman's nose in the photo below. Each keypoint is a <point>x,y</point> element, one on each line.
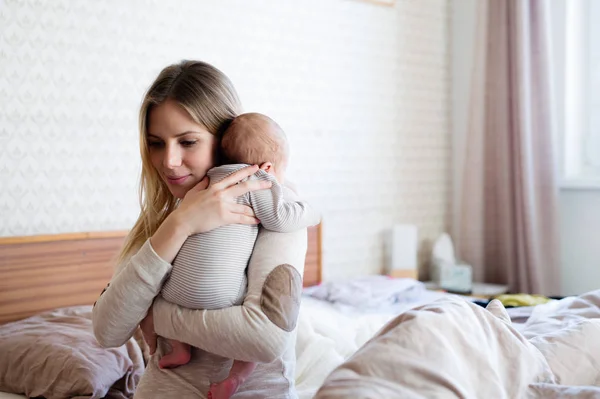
<point>172,158</point>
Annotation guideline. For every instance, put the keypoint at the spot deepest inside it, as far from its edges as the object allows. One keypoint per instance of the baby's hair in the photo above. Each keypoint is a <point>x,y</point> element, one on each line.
<point>254,138</point>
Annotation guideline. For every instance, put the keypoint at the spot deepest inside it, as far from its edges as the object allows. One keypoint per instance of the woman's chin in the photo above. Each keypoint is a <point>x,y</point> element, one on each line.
<point>178,192</point>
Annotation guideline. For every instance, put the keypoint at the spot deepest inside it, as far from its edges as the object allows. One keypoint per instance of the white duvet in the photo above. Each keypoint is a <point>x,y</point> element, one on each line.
<point>330,333</point>
<point>454,349</point>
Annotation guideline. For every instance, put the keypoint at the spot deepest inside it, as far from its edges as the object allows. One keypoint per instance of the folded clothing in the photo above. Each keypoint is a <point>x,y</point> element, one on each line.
<point>369,291</point>
<point>522,299</point>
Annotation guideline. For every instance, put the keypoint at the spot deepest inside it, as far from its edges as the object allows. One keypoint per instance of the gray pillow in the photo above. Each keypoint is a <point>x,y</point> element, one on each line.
<point>55,355</point>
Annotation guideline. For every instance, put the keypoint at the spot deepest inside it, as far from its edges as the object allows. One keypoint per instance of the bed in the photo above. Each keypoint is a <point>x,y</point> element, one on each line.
<point>39,274</point>
<point>42,273</point>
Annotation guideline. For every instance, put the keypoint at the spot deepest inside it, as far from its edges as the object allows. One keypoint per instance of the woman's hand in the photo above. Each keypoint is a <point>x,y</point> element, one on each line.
<point>205,208</point>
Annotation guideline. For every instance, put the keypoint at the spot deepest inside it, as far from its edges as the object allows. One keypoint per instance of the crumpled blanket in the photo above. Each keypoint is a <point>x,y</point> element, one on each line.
<point>452,348</point>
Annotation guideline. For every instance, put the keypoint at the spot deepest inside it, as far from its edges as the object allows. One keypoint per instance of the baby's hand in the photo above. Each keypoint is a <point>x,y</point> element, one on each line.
<point>147,326</point>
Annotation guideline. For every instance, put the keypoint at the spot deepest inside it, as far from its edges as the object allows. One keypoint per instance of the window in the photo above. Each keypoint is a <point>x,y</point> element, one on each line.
<point>577,69</point>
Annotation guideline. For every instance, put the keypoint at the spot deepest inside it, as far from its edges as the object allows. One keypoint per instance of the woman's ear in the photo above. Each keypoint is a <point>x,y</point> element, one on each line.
<point>267,167</point>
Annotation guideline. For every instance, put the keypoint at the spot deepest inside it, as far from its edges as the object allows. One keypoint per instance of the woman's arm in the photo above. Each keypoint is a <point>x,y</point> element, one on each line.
<point>259,330</point>
<point>127,298</point>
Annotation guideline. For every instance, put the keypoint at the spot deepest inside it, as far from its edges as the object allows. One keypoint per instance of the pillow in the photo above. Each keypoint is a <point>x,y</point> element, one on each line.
<point>55,355</point>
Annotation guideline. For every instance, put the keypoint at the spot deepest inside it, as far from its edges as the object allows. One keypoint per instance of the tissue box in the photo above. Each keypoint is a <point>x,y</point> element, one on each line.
<point>453,277</point>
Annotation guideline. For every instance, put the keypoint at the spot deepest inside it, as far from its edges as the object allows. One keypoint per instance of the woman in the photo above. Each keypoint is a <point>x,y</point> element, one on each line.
<point>181,118</point>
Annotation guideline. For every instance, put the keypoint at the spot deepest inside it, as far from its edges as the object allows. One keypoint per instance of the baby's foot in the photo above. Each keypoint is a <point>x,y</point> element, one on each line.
<point>224,389</point>
<point>174,359</point>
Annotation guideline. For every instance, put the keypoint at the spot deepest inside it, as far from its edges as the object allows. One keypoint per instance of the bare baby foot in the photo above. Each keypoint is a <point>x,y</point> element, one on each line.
<point>174,359</point>
<point>224,389</point>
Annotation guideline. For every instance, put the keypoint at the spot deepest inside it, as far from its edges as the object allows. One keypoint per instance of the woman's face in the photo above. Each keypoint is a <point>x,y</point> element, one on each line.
<point>181,150</point>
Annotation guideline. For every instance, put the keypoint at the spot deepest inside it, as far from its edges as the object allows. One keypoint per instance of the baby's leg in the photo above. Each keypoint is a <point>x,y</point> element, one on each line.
<point>180,354</point>
<point>237,375</point>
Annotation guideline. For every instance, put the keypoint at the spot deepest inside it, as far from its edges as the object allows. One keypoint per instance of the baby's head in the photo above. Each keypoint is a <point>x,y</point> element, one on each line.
<point>256,139</point>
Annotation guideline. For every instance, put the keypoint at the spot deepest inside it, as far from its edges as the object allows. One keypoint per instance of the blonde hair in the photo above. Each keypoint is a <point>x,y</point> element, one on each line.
<point>255,138</point>
<point>211,100</point>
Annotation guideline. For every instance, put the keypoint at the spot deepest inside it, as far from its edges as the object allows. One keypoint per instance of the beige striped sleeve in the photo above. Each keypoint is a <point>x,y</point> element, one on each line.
<point>278,208</point>
<point>126,300</point>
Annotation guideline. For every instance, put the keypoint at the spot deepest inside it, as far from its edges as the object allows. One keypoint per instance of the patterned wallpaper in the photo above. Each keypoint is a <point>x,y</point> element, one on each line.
<point>362,91</point>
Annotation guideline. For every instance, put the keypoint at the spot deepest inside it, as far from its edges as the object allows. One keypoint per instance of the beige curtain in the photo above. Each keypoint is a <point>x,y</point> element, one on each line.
<point>506,225</point>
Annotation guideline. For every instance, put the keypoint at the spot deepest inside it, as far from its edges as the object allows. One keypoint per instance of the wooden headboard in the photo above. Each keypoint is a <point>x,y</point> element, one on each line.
<point>39,273</point>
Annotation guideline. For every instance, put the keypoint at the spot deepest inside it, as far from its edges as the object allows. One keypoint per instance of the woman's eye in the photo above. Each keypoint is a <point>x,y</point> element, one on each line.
<point>188,143</point>
<point>155,144</point>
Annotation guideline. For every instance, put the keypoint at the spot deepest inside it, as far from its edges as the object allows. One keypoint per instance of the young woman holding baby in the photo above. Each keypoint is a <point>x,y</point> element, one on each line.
<point>181,119</point>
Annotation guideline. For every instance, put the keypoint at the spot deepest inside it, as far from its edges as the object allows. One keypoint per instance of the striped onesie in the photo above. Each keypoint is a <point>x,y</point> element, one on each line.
<point>209,271</point>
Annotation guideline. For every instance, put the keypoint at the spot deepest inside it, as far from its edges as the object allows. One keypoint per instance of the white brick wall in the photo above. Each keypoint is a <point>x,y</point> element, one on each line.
<point>362,91</point>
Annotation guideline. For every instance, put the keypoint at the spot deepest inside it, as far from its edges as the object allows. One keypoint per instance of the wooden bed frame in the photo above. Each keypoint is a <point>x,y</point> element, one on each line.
<point>39,273</point>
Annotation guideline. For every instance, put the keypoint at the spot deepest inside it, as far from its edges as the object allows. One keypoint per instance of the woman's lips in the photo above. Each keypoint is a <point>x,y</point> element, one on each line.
<point>177,180</point>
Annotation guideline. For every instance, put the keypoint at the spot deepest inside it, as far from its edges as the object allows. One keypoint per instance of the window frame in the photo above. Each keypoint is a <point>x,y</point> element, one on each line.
<point>572,72</point>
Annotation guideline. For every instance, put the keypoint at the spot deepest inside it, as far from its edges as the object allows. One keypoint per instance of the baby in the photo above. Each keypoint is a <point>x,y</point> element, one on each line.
<point>209,271</point>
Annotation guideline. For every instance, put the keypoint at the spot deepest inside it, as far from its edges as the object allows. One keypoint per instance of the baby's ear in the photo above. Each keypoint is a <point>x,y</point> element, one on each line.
<point>266,166</point>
